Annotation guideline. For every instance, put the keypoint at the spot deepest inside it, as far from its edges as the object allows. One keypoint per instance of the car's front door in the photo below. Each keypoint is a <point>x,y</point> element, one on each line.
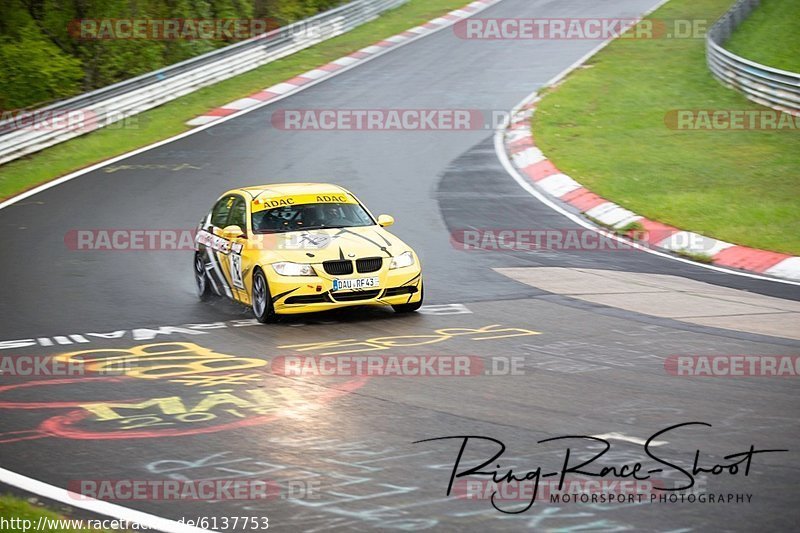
<point>236,268</point>
<point>222,253</point>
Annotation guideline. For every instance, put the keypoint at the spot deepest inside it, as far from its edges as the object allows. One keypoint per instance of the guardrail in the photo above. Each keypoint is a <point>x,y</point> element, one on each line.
<point>771,87</point>
<point>116,102</point>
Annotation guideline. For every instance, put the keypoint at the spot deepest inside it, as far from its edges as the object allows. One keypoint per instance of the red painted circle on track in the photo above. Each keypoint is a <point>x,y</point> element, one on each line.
<point>64,426</point>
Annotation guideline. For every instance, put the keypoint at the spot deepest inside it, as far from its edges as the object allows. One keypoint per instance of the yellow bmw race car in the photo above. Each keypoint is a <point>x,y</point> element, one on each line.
<point>302,247</point>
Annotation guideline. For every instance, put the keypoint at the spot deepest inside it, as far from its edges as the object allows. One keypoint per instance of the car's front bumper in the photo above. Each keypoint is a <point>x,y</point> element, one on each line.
<point>293,295</point>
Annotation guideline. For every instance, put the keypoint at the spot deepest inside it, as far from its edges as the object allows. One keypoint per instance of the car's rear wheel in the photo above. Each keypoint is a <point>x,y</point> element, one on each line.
<point>410,308</point>
<point>261,298</point>
<point>204,290</point>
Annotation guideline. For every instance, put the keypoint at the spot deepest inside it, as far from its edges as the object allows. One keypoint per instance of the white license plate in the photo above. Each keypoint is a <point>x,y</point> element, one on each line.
<point>355,284</point>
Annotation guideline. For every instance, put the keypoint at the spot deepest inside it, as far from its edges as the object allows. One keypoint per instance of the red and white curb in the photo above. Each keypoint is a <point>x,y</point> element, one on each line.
<point>543,174</point>
<point>326,71</point>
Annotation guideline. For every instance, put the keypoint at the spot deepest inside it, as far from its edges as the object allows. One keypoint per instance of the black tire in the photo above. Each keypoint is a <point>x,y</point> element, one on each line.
<point>202,284</point>
<point>261,298</point>
<point>410,308</point>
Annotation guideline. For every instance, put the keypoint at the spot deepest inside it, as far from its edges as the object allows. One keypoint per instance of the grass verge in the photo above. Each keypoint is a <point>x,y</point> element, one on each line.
<point>606,126</point>
<point>696,256</point>
<point>28,514</point>
<point>769,35</point>
<point>169,119</point>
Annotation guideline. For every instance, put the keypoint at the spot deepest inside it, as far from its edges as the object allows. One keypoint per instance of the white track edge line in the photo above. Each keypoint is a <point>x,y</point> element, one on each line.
<point>96,506</point>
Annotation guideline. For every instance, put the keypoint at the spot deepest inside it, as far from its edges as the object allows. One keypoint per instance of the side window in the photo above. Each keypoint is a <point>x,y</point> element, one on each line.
<point>238,214</point>
<point>219,215</point>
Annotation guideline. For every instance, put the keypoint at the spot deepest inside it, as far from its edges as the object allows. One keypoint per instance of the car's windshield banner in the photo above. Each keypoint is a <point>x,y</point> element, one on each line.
<point>265,202</point>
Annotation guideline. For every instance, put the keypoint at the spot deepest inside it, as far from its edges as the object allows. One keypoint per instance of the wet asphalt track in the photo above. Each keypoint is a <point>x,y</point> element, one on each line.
<point>588,369</point>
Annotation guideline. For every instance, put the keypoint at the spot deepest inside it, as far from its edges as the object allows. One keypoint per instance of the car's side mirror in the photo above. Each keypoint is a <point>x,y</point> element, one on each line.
<point>385,221</point>
<point>233,232</point>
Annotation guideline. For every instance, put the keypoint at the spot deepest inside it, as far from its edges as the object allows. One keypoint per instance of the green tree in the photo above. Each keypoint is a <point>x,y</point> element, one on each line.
<point>35,70</point>
<point>43,56</point>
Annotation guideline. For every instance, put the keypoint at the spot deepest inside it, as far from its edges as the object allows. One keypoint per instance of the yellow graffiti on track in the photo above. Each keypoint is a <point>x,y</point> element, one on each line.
<point>492,332</point>
<point>163,361</point>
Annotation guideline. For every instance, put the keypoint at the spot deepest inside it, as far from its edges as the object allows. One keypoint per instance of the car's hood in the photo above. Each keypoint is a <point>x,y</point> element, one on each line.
<point>316,246</point>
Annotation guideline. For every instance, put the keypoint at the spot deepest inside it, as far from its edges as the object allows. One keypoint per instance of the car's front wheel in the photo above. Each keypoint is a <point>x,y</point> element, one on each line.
<point>204,290</point>
<point>410,308</point>
<point>261,298</point>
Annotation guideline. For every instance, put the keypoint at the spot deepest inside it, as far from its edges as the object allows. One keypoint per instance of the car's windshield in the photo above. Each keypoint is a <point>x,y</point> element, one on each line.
<point>310,216</point>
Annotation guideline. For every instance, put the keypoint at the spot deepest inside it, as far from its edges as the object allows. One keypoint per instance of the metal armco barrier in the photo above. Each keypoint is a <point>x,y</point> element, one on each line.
<point>111,104</point>
<point>771,87</point>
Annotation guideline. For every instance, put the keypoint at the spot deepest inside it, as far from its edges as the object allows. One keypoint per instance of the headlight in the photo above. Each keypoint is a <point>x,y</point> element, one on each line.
<point>293,269</point>
<point>405,259</point>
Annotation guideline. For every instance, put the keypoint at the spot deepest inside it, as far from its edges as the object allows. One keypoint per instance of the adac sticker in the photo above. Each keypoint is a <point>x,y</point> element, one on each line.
<point>263,202</point>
